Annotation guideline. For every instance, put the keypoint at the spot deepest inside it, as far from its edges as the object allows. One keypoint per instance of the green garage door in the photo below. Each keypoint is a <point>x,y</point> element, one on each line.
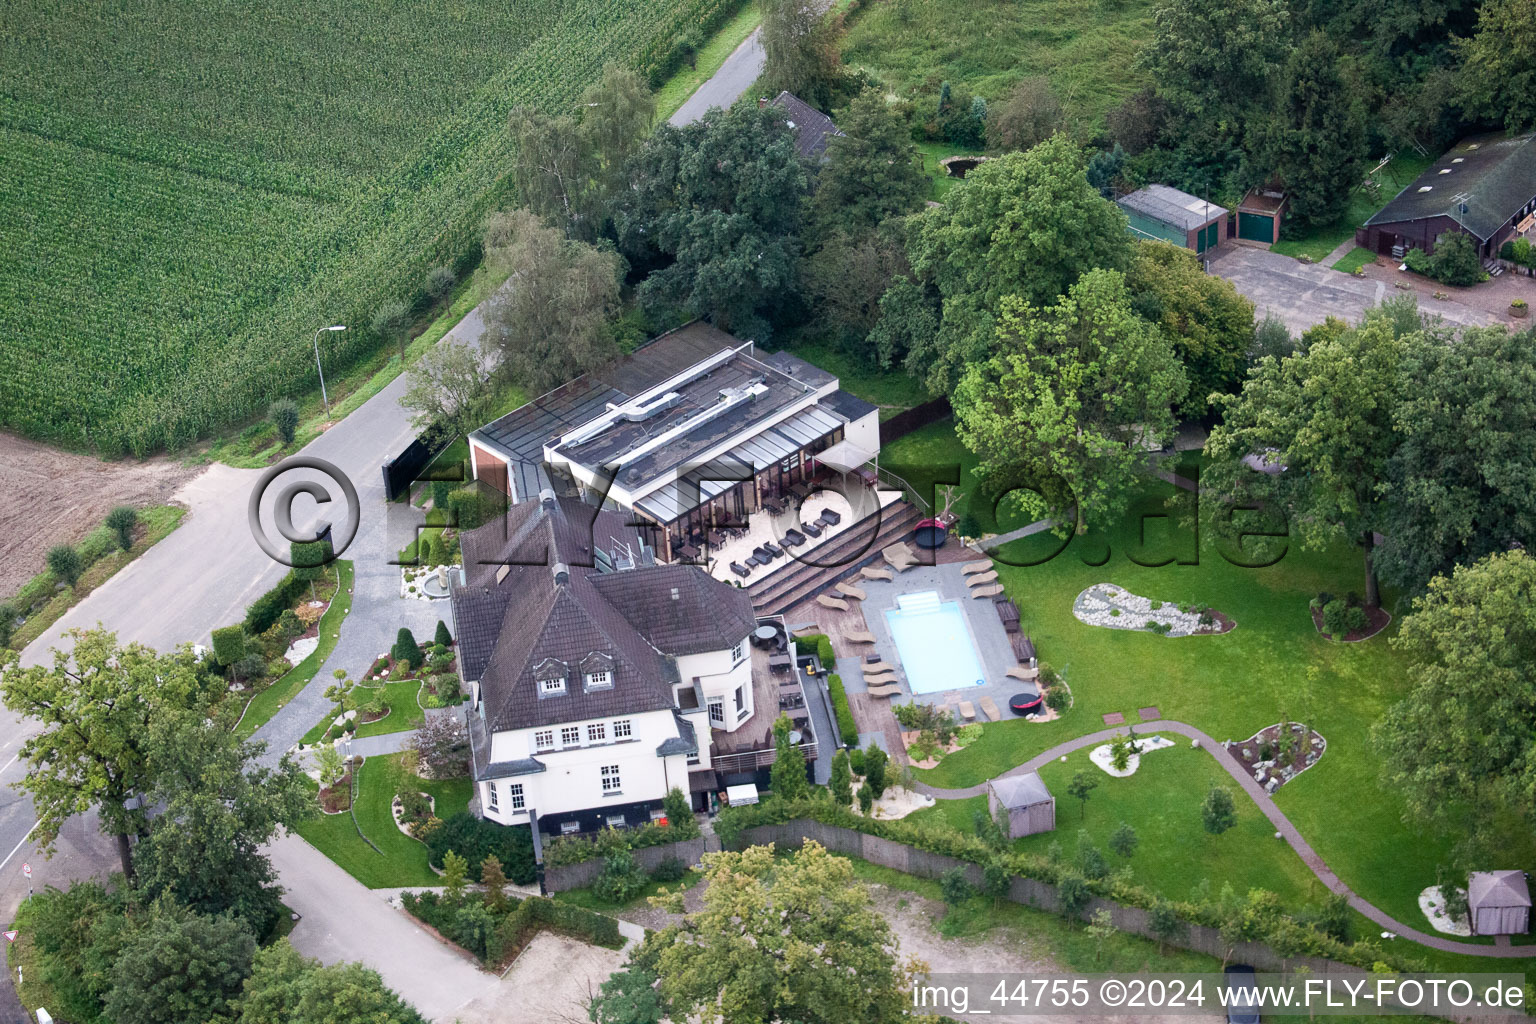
<point>1213,235</point>
<point>1255,227</point>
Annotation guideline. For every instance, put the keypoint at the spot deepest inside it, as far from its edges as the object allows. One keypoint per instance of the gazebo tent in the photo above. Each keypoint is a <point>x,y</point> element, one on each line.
<point>1499,903</point>
<point>1031,808</point>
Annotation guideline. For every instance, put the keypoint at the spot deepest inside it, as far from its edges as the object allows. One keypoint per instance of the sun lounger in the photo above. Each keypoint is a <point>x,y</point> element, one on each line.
<point>849,590</point>
<point>947,710</point>
<point>869,572</point>
<point>877,678</point>
<point>1028,675</point>
<point>971,568</point>
<point>989,707</point>
<point>991,590</point>
<point>967,711</point>
<point>871,667</point>
<point>889,690</point>
<point>858,636</point>
<point>835,603</point>
<point>990,576</point>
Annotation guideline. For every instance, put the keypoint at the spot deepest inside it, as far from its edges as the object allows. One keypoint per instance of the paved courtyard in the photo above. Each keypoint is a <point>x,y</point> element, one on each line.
<point>1304,295</point>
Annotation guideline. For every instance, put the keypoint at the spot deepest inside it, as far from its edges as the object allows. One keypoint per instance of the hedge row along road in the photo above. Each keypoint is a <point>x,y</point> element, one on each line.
<point>1267,805</point>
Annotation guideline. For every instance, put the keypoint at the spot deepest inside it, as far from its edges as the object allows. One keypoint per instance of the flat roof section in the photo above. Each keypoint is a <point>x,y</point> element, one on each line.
<point>1171,206</point>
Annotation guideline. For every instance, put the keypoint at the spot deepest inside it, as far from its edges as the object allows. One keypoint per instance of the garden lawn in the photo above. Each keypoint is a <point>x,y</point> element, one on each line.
<point>591,901</point>
<point>1318,241</point>
<point>271,700</point>
<point>403,860</point>
<point>892,390</point>
<point>932,153</point>
<point>1273,665</point>
<point>1162,803</point>
<point>1087,50</point>
<point>1357,257</point>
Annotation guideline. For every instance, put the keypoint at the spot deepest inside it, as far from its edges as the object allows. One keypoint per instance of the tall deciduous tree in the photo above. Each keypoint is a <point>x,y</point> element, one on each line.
<point>215,810</point>
<point>1215,62</point>
<point>1314,140</point>
<point>845,280</point>
<point>800,49</point>
<point>1499,63</point>
<point>1029,114</point>
<point>287,988</point>
<point>553,319</point>
<point>179,966</point>
<point>1072,399</point>
<point>450,385</point>
<point>1209,323</point>
<point>1025,224</point>
<point>97,705</point>
<point>873,170</point>
<point>1326,414</point>
<point>1461,483</point>
<point>723,199</point>
<point>1461,745</point>
<point>781,940</point>
<point>787,776</point>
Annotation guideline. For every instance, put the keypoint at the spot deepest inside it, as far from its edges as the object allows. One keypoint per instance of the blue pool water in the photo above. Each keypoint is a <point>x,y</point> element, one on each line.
<point>934,643</point>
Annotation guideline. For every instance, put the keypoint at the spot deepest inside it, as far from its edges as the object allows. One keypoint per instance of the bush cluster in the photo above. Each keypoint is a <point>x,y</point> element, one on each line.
<point>563,851</point>
<point>821,646</point>
<point>496,936</point>
<point>476,839</point>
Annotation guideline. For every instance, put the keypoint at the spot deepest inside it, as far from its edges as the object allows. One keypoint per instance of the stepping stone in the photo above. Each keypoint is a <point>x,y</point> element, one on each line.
<point>1150,714</point>
<point>1114,718</point>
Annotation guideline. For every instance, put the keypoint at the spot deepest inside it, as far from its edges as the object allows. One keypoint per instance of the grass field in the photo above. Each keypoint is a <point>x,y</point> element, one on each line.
<point>1273,664</point>
<point>892,391</point>
<point>1318,241</point>
<point>403,860</point>
<point>190,190</point>
<point>1087,50</point>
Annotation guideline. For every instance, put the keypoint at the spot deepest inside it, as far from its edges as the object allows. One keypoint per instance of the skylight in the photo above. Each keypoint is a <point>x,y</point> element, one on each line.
<point>1425,188</point>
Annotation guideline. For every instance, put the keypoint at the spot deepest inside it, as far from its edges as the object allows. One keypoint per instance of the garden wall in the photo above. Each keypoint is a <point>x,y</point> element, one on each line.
<point>579,876</point>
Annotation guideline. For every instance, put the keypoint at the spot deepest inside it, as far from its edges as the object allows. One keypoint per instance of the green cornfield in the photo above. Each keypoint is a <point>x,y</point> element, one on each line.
<point>188,188</point>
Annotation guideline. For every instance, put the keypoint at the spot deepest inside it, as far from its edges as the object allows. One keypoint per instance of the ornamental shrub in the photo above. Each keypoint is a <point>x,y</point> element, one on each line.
<point>406,649</point>
<point>121,521</point>
<point>1356,620</point>
<point>1455,261</point>
<point>284,416</point>
<point>65,563</point>
<point>229,644</point>
<point>476,839</point>
<point>442,637</point>
<point>1335,618</point>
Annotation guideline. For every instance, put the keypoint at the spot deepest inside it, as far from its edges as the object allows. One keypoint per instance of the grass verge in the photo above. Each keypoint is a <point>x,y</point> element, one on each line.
<point>403,860</point>
<point>711,56</point>
<point>1357,257</point>
<point>591,901</point>
<point>1318,241</point>
<point>271,700</point>
<point>22,959</point>
<point>155,524</point>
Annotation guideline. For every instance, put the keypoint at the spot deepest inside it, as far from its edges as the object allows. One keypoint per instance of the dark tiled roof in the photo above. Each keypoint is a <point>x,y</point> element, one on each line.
<point>680,608</point>
<point>1488,179</point>
<point>685,742</point>
<point>812,128</point>
<point>515,619</point>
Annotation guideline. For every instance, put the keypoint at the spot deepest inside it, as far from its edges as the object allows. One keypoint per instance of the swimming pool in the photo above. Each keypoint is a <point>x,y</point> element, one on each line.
<point>934,643</point>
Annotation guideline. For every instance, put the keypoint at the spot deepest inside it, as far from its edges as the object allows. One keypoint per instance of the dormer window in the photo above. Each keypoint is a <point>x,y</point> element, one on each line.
<point>550,674</point>
<point>597,671</point>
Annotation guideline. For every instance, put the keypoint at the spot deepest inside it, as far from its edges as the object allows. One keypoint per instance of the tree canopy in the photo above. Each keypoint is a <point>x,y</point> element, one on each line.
<point>1460,746</point>
<point>1025,224</point>
<point>800,49</point>
<point>1071,401</point>
<point>719,203</point>
<point>178,966</point>
<point>873,171</point>
<point>1499,72</point>
<point>795,939</point>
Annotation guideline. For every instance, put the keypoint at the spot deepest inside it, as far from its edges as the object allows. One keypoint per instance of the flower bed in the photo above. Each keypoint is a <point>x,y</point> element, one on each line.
<point>1114,607</point>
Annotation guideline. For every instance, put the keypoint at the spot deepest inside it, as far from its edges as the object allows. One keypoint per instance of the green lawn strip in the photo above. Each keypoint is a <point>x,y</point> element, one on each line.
<point>403,860</point>
<point>405,712</point>
<point>1162,803</point>
<point>1356,258</point>
<point>932,153</point>
<point>155,524</point>
<point>892,390</point>
<point>1318,241</point>
<point>1274,663</point>
<point>591,901</point>
<point>674,92</point>
<point>271,700</point>
<point>933,454</point>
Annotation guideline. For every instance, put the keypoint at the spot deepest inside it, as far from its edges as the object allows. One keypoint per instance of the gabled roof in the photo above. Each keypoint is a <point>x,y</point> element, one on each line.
<point>528,608</point>
<point>1480,183</point>
<point>812,128</point>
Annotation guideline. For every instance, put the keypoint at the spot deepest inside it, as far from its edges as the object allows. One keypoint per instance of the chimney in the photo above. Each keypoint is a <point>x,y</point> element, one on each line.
<point>547,498</point>
<point>762,101</point>
<point>562,574</point>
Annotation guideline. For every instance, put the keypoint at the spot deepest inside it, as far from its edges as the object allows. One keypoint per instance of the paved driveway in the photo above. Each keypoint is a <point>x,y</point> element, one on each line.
<point>1304,295</point>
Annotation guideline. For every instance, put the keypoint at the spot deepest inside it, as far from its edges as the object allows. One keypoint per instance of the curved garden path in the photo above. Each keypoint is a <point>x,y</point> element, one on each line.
<point>1276,817</point>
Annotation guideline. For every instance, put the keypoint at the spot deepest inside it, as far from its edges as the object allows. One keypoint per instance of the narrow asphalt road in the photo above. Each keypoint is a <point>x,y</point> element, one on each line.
<point>1266,804</point>
<point>725,86</point>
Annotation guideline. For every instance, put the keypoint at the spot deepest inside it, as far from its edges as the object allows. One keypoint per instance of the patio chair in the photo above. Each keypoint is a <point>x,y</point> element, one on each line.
<point>888,690</point>
<point>811,529</point>
<point>869,572</point>
<point>858,636</point>
<point>880,678</point>
<point>740,570</point>
<point>967,711</point>
<point>1023,673</point>
<point>836,604</point>
<point>877,666</point>
<point>990,576</point>
<point>849,590</point>
<point>774,551</point>
<point>793,538</point>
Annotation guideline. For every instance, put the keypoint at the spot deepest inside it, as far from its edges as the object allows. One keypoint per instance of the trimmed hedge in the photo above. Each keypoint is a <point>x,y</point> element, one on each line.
<point>563,851</point>
<point>1286,935</point>
<point>496,938</point>
<point>819,645</point>
<point>265,610</point>
<point>475,839</point>
<point>846,727</point>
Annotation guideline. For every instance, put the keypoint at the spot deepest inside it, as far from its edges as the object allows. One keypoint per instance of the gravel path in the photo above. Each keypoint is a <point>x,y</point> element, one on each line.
<point>1276,817</point>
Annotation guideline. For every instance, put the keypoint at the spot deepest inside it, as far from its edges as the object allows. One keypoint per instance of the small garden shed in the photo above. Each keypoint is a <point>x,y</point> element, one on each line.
<point>1260,213</point>
<point>1165,213</point>
<point>1031,808</point>
<point>1499,903</point>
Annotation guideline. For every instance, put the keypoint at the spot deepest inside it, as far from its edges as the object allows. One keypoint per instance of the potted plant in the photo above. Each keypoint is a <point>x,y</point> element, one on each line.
<point>1519,308</point>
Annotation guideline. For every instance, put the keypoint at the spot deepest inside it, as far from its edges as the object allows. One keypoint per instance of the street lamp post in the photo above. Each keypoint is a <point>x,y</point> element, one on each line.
<point>323,396</point>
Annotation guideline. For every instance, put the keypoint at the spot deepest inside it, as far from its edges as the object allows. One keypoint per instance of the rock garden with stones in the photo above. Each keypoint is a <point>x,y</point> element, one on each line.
<point>1446,909</point>
<point>412,809</point>
<point>1278,753</point>
<point>1114,607</point>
